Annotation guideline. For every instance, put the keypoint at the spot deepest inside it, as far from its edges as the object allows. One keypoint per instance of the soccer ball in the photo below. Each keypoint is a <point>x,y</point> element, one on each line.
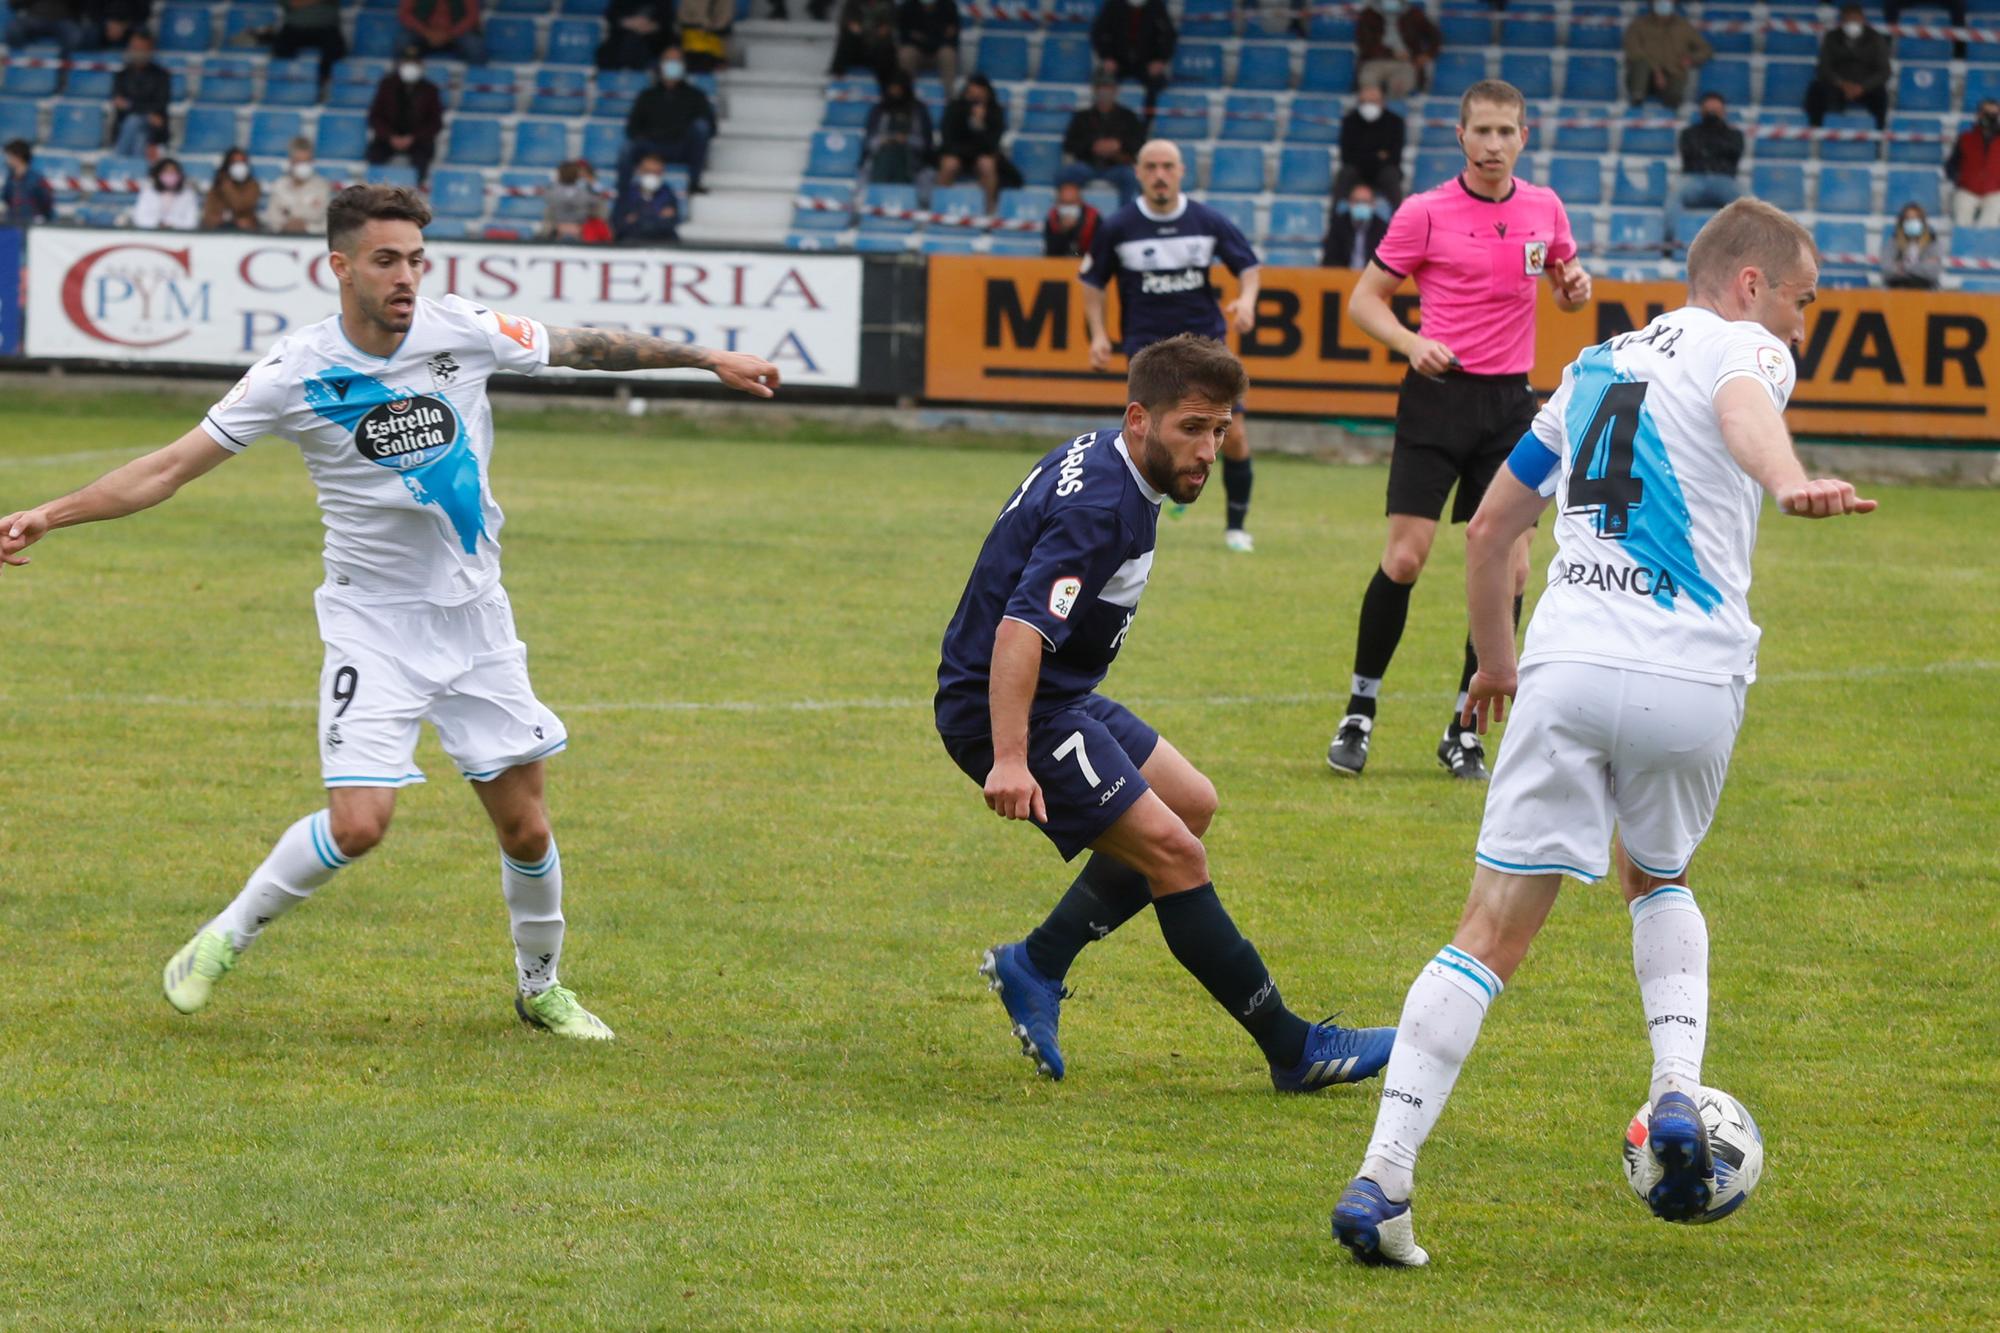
<point>1733,1138</point>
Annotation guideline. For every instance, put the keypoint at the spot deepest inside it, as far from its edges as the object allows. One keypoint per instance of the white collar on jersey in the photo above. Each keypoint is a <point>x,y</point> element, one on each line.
<point>1151,216</point>
<point>1133,468</point>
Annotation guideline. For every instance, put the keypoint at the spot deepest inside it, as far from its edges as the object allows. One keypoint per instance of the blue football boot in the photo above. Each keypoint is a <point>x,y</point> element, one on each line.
<point>1336,1055</point>
<point>1377,1230</point>
<point>1679,1142</point>
<point>1033,1002</point>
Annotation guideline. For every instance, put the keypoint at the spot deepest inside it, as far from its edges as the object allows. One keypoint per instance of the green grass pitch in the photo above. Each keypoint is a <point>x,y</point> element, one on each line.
<point>778,888</point>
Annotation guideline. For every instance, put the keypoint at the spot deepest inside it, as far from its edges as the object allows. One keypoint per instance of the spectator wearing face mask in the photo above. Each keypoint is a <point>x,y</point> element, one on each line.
<point>637,34</point>
<point>974,124</point>
<point>166,201</point>
<point>572,209</point>
<point>672,119</point>
<point>1104,139</point>
<point>1353,232</point>
<point>1135,39</point>
<point>1853,70</point>
<point>311,25</point>
<point>233,196</point>
<point>140,92</point>
<point>1661,47</point>
<point>927,39</point>
<point>866,38</point>
<point>444,28</point>
<point>647,212</point>
<point>1711,151</point>
<point>24,196</point>
<point>1071,224</point>
<point>1371,148</point>
<point>406,116</point>
<point>1974,168</point>
<point>297,200</point>
<point>898,135</point>
<point>1396,47</point>
<point>1910,256</point>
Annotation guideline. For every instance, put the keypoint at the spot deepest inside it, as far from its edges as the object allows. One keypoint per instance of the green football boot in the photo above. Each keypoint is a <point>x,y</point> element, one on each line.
<point>556,1010</point>
<point>192,973</point>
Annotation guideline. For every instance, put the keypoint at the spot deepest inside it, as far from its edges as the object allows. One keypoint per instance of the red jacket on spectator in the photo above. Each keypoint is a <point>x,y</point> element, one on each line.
<point>1420,35</point>
<point>414,109</point>
<point>1975,162</point>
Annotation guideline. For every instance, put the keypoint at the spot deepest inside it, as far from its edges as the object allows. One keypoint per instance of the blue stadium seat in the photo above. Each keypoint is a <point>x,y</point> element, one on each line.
<point>1592,79</point>
<point>1182,117</point>
<point>1785,82</point>
<point>617,89</point>
<point>1583,226</point>
<point>1579,138</point>
<point>1019,244</point>
<point>1466,30</point>
<point>1208,18</point>
<point>1577,181</point>
<point>1530,71</point>
<point>379,36</point>
<point>1912,185</point>
<point>1923,88</point>
<point>1048,110</point>
<point>958,201</point>
<point>226,83</point>
<point>1923,48</point>
<point>1528,32</point>
<point>1438,132</point>
<point>89,83</point>
<point>1330,29</point>
<point>78,125</point>
<point>1263,65</point>
<point>808,219</point>
<point>901,198</point>
<point>292,82</point>
<point>1638,230</point>
<point>354,81</point>
<point>1792,43</point>
<point>17,121</point>
<point>1782,184</point>
<point>1328,69</point>
<point>54,166</point>
<point>209,129</point>
<point>1730,77</point>
<point>474,142</point>
<point>391,173</point>
<point>540,143</point>
<point>1456,71</point>
<point>574,41</point>
<point>1002,57</point>
<point>1599,35</point>
<point>603,140</point>
<point>1064,60</point>
<point>1774,149</point>
<point>111,167</point>
<point>455,191</point>
<point>186,28</point>
<point>1976,242</point>
<point>487,92</point>
<point>586,8</point>
<point>1198,65</point>
<point>1644,140</point>
<point>1289,256</point>
<point>559,92</point>
<point>1242,212</point>
<point>1727,43</point>
<point>1236,170</point>
<point>510,41</point>
<point>1639,184</point>
<point>1435,168</point>
<point>1249,118</point>
<point>341,136</point>
<point>1836,239</point>
<point>1845,190</point>
<point>272,132</point>
<point>1314,120</point>
<point>835,154</point>
<point>1028,204</point>
<point>1981,82</point>
<point>949,241</point>
<point>20,80</point>
<point>1036,159</point>
<point>528,207</point>
<point>1304,169</point>
<point>1858,150</point>
<point>1297,221</point>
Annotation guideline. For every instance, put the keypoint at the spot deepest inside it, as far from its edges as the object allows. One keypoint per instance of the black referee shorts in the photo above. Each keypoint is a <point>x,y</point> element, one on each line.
<point>1458,429</point>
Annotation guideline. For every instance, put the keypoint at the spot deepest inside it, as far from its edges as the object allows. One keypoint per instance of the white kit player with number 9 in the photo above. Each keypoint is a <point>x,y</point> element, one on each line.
<point>386,402</point>
<point>1656,448</point>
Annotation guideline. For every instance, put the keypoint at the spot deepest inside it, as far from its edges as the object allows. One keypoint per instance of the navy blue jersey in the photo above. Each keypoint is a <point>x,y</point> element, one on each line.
<point>1069,556</point>
<point>1162,264</point>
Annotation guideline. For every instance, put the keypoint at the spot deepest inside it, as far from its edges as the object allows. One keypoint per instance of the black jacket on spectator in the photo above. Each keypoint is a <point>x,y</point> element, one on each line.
<point>621,49</point>
<point>1073,241</point>
<point>1711,148</point>
<point>1365,147</point>
<point>664,113</point>
<point>1337,250</point>
<point>930,28</point>
<point>414,109</point>
<point>957,136</point>
<point>132,13</point>
<point>148,88</point>
<point>1134,35</point>
<point>1865,62</point>
<point>1089,125</point>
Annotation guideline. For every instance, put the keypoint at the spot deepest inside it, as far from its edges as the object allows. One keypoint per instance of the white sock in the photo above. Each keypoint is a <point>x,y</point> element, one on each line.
<point>1368,687</point>
<point>1670,958</point>
<point>1441,1017</point>
<point>304,859</point>
<point>534,910</point>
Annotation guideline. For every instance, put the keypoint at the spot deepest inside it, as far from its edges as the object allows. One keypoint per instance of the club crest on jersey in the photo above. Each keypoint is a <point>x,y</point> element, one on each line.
<point>235,395</point>
<point>1063,595</point>
<point>406,433</point>
<point>1771,361</point>
<point>444,369</point>
<point>1536,258</point>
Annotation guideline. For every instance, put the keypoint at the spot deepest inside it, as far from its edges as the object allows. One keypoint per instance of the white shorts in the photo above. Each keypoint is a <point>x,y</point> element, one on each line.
<point>460,668</point>
<point>1588,744</point>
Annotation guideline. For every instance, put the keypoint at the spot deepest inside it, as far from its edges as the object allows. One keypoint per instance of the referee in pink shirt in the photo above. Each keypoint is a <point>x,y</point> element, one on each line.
<point>1476,246</point>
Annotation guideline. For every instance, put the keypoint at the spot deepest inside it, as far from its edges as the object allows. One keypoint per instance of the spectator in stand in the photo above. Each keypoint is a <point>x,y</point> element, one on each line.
<point>311,25</point>
<point>927,39</point>
<point>1853,70</point>
<point>572,205</point>
<point>974,124</point>
<point>444,28</point>
<point>637,34</point>
<point>406,116</point>
<point>867,37</point>
<point>139,96</point>
<point>705,29</point>
<point>1395,47</point>
<point>297,200</point>
<point>166,201</point>
<point>1134,39</point>
<point>898,135</point>
<point>233,196</point>
<point>1660,48</point>
<point>671,119</point>
<point>647,212</point>
<point>1974,168</point>
<point>109,24</point>
<point>1711,150</point>
<point>1910,255</point>
<point>1371,149</point>
<point>1071,224</point>
<point>1104,139</point>
<point>1354,231</point>
<point>24,196</point>
<point>47,21</point>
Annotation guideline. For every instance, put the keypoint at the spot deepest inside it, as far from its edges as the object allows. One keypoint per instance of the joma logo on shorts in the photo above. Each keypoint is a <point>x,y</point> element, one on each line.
<point>1111,791</point>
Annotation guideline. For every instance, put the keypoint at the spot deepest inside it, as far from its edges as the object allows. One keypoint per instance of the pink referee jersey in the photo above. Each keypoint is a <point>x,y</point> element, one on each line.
<point>1477,263</point>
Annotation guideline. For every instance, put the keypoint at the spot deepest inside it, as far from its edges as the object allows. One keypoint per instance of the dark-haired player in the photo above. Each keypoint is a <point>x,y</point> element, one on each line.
<point>386,401</point>
<point>1050,601</point>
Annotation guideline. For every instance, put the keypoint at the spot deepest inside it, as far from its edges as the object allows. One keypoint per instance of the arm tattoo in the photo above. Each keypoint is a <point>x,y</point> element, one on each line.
<point>609,349</point>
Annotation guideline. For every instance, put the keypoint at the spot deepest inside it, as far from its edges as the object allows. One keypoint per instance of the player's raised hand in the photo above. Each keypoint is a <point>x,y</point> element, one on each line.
<point>1100,353</point>
<point>19,531</point>
<point>1013,793</point>
<point>1829,497</point>
<point>1486,697</point>
<point>751,374</point>
<point>1432,358</point>
<point>1242,315</point>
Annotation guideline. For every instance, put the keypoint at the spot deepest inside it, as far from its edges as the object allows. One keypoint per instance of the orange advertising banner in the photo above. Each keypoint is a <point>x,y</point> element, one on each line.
<point>1914,365</point>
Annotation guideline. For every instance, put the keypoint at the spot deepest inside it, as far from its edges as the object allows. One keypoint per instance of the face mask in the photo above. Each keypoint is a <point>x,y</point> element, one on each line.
<point>1359,211</point>
<point>1069,212</point>
<point>1712,117</point>
<point>1663,7</point>
<point>302,171</point>
<point>1391,8</point>
<point>239,171</point>
<point>672,70</point>
<point>409,71</point>
<point>1370,111</point>
<point>1853,31</point>
<point>170,180</point>
<point>651,182</point>
<point>1913,227</point>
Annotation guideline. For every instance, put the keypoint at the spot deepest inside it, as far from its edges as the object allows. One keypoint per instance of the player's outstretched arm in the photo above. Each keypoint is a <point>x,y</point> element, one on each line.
<point>1011,791</point>
<point>614,349</point>
<point>1509,509</point>
<point>139,484</point>
<point>1243,310</point>
<point>1757,439</point>
<point>1371,310</point>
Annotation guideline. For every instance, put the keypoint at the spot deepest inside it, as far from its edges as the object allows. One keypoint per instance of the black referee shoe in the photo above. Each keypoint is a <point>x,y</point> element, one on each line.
<point>1349,752</point>
<point>1462,753</point>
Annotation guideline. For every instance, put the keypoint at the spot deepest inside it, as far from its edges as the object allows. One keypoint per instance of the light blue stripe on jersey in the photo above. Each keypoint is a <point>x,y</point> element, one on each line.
<point>1532,461</point>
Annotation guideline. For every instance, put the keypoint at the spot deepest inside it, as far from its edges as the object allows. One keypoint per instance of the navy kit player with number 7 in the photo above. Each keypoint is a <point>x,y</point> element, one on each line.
<point>1050,602</point>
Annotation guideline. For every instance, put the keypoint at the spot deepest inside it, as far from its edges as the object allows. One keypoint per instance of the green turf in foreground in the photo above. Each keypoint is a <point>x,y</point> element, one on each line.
<point>813,1115</point>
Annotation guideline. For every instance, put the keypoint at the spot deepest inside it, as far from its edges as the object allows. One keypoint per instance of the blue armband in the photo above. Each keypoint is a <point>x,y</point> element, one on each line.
<point>1532,461</point>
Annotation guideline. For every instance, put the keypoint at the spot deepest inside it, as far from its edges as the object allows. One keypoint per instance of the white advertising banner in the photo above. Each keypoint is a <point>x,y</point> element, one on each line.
<point>181,297</point>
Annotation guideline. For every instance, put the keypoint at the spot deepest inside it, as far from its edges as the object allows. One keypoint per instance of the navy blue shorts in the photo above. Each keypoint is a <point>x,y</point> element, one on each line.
<point>1086,756</point>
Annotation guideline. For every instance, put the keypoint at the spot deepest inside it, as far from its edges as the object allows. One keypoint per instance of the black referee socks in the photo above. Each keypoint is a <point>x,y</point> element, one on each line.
<point>1206,942</point>
<point>1105,896</point>
<point>1385,608</point>
<point>1236,489</point>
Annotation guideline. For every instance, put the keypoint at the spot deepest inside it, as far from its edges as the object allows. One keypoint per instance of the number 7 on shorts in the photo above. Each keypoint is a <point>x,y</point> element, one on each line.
<point>1075,743</point>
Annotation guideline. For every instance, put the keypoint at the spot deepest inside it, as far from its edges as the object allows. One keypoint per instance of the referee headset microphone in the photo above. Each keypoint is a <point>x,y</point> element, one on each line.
<point>1181,390</point>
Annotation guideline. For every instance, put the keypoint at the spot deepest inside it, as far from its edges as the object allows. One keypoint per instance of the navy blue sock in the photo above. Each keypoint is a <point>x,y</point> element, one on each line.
<point>1206,942</point>
<point>1236,489</point>
<point>1105,896</point>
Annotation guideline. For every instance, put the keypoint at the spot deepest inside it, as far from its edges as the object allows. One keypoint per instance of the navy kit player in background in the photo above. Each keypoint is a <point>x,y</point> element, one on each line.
<point>1160,248</point>
<point>1047,608</point>
<point>386,402</point>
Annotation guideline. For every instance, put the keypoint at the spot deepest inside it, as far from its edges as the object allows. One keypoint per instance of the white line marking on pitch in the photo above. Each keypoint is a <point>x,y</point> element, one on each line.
<point>81,456</point>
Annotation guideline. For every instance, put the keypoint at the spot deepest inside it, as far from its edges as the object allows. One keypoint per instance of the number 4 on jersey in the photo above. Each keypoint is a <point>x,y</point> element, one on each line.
<point>1601,478</point>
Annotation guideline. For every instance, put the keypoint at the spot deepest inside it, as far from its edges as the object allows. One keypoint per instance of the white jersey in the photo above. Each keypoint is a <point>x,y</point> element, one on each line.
<point>1655,522</point>
<point>398,448</point>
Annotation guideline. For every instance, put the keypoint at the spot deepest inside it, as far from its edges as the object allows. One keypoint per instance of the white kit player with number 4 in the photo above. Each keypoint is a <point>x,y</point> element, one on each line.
<point>1656,448</point>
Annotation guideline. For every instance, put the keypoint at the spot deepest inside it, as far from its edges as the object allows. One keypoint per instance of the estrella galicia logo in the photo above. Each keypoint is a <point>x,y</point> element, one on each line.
<point>443,368</point>
<point>406,433</point>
